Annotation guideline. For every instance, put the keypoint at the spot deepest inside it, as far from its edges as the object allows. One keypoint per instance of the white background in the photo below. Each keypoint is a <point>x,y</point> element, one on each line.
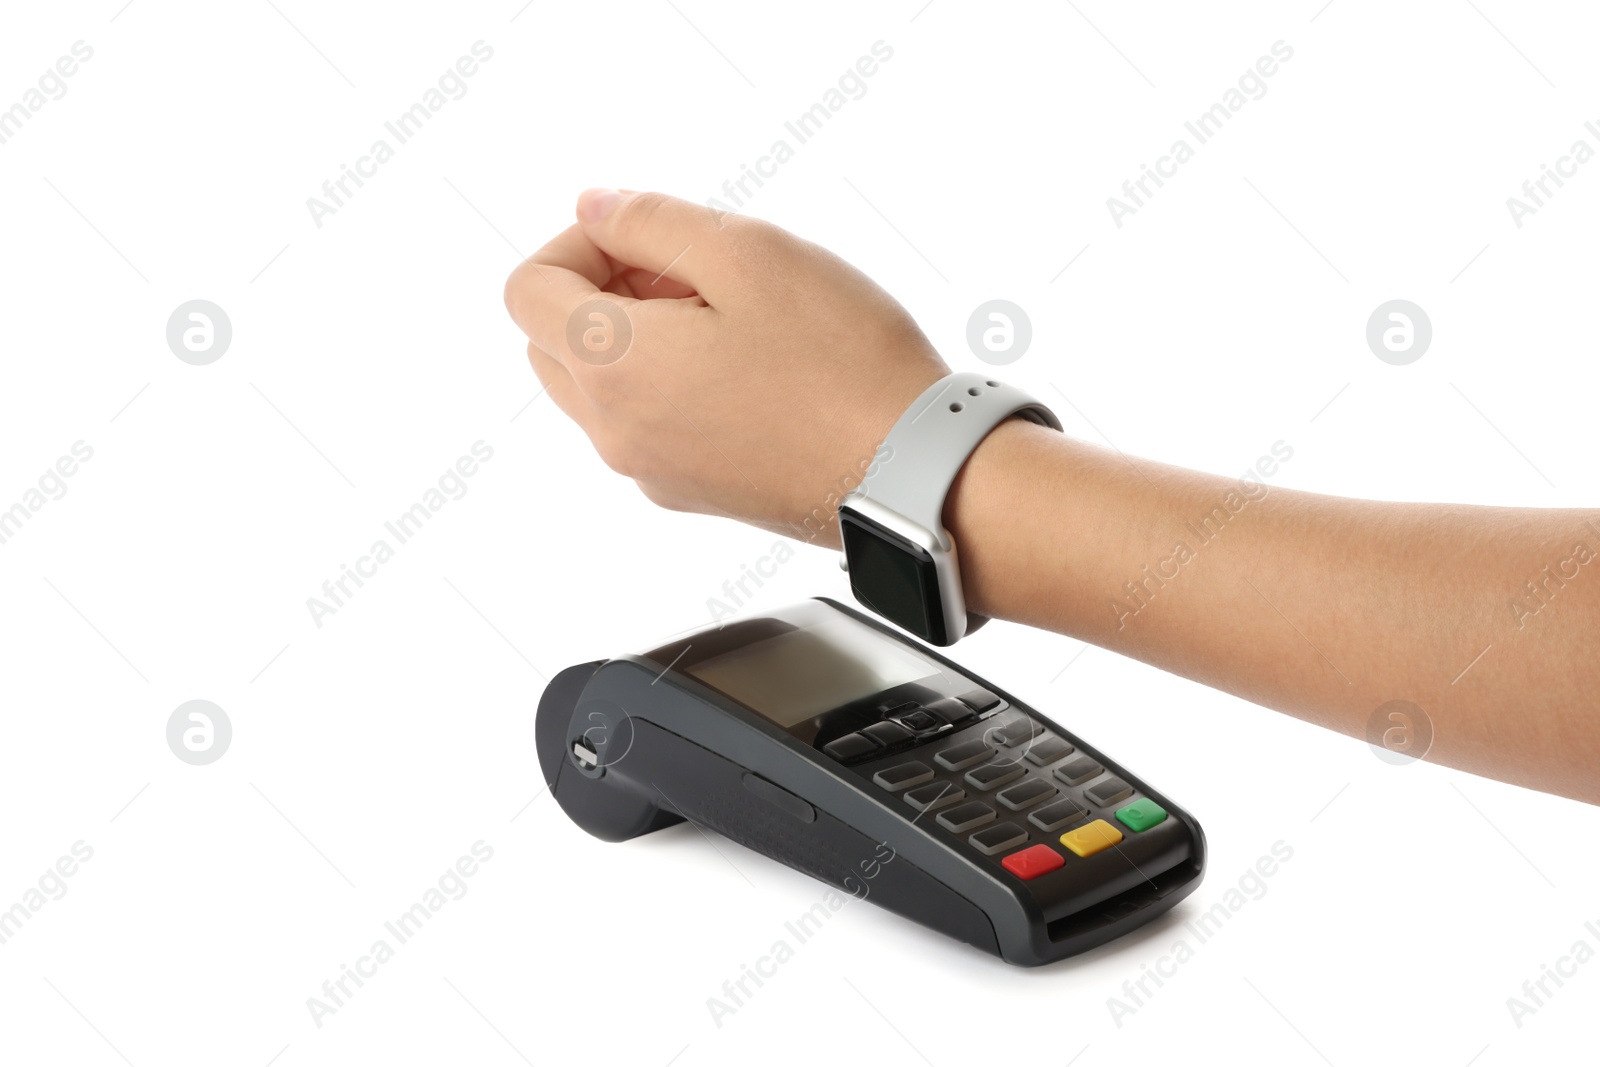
<point>368,354</point>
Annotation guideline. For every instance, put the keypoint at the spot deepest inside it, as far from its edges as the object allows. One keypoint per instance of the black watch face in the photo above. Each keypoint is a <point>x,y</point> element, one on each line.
<point>893,577</point>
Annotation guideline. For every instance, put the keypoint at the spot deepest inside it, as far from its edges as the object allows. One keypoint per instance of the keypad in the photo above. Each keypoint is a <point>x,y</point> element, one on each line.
<point>1009,789</point>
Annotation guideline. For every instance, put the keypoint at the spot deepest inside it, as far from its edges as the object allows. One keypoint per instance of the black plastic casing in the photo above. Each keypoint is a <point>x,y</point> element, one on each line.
<point>668,748</point>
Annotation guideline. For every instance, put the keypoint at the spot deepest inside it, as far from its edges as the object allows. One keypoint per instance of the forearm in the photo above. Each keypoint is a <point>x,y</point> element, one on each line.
<point>1322,607</point>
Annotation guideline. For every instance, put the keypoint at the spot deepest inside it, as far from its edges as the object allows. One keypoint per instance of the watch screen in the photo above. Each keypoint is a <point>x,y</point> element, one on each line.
<point>893,577</point>
<point>811,670</point>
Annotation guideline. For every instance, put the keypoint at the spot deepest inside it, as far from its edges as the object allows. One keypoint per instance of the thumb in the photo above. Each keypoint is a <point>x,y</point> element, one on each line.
<point>663,235</point>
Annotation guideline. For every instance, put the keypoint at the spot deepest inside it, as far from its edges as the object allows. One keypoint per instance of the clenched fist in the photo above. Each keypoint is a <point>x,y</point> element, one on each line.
<point>725,365</point>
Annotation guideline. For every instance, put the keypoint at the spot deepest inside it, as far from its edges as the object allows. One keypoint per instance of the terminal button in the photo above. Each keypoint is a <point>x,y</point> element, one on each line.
<point>1142,814</point>
<point>1078,771</point>
<point>888,734</point>
<point>1048,750</point>
<point>1058,814</point>
<point>960,757</point>
<point>950,710</point>
<point>1092,837</point>
<point>998,838</point>
<point>1108,792</point>
<point>919,720</point>
<point>851,747</point>
<point>934,795</point>
<point>1025,794</point>
<point>1016,731</point>
<point>968,816</point>
<point>981,700</point>
<point>995,774</point>
<point>903,775</point>
<point>1030,863</point>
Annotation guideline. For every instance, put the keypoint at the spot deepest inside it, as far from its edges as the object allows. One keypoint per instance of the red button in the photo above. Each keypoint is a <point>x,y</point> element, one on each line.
<point>1032,862</point>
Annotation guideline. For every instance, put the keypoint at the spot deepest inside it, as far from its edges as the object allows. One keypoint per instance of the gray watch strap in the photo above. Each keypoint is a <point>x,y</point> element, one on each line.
<point>930,444</point>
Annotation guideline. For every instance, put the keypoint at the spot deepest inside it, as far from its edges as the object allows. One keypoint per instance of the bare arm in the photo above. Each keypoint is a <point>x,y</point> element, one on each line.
<point>736,370</point>
<point>1487,619</point>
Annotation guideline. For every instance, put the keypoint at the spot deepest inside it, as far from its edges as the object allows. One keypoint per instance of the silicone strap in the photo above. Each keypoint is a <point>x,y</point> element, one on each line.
<point>930,444</point>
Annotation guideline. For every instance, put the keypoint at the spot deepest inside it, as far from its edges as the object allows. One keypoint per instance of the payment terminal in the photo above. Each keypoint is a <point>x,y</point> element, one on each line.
<point>824,740</point>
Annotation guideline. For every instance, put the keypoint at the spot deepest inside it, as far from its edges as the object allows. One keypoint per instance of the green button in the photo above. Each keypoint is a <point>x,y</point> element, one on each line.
<point>1141,814</point>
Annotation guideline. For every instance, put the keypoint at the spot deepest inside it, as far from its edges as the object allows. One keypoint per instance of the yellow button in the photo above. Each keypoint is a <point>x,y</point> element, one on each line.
<point>1092,838</point>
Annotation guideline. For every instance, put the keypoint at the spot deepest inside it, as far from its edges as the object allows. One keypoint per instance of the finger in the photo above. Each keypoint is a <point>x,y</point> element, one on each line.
<point>667,236</point>
<point>572,250</point>
<point>550,287</point>
<point>649,285</point>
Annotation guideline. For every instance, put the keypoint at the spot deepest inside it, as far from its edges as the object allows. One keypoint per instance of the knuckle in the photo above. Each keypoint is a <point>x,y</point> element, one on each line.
<point>637,210</point>
<point>760,256</point>
<point>516,285</point>
<point>615,452</point>
<point>660,495</point>
<point>603,388</point>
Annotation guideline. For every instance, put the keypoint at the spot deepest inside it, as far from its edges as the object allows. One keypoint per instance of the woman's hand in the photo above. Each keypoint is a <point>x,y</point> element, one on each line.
<point>725,365</point>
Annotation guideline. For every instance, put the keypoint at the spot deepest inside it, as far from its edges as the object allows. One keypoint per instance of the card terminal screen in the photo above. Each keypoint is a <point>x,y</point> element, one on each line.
<point>805,672</point>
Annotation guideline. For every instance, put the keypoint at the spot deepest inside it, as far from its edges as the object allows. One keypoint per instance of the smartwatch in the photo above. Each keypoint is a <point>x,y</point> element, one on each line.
<point>901,559</point>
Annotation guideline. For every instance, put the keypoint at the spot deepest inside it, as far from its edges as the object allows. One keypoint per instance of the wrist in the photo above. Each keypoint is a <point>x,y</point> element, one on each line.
<point>998,513</point>
<point>903,563</point>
